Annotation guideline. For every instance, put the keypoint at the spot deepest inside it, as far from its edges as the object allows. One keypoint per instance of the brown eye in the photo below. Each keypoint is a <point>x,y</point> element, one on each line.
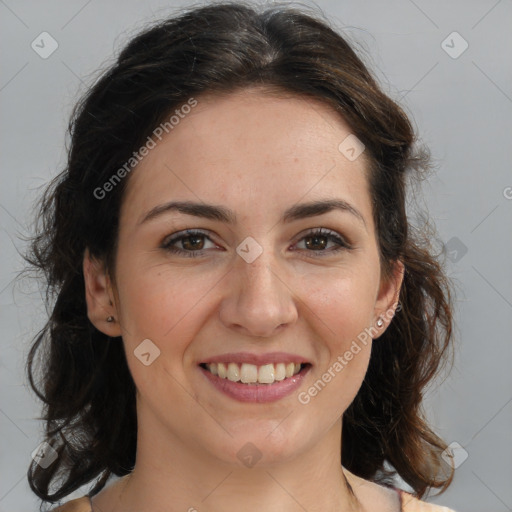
<point>319,240</point>
<point>316,242</point>
<point>188,243</point>
<point>192,243</point>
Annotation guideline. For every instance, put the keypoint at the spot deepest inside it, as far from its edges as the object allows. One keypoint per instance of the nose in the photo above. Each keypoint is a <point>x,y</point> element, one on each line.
<point>258,300</point>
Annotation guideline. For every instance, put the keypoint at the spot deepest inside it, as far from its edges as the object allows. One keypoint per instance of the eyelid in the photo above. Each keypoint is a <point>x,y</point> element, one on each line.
<point>342,243</point>
<point>324,232</point>
<point>183,233</point>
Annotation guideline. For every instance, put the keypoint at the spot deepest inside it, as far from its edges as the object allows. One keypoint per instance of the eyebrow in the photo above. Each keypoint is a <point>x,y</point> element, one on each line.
<point>223,214</point>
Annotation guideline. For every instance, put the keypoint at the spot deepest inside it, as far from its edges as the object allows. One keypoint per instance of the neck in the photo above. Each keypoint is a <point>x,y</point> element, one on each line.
<point>174,476</point>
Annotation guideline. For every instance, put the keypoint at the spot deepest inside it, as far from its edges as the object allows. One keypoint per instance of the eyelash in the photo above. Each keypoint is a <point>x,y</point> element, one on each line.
<point>189,233</point>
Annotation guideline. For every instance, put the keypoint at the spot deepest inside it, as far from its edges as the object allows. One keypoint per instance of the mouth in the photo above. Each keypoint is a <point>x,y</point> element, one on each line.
<point>256,375</point>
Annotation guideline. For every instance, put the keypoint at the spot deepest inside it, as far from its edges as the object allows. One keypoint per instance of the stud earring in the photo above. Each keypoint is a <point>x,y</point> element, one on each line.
<point>380,322</point>
<point>110,319</point>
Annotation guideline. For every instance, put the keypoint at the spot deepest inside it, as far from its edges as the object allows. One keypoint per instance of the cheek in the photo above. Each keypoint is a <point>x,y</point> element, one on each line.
<point>343,301</point>
<point>162,305</point>
<point>341,307</point>
<point>167,308</point>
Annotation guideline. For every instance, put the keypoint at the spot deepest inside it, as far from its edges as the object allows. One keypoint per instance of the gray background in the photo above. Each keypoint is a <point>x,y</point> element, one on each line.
<point>462,109</point>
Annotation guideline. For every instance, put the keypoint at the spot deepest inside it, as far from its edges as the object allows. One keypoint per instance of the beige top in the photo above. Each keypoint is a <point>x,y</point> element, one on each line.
<point>409,504</point>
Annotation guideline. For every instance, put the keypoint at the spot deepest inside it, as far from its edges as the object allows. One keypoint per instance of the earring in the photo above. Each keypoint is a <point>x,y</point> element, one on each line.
<point>110,319</point>
<point>380,322</point>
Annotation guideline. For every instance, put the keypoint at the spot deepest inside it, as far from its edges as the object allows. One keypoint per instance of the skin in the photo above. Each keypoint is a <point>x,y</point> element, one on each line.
<point>257,154</point>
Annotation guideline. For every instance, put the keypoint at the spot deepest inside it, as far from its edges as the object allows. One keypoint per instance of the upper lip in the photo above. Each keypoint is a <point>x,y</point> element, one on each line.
<point>256,359</point>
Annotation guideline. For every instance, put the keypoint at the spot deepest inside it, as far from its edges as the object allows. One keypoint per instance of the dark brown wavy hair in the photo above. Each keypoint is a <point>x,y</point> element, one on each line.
<point>81,374</point>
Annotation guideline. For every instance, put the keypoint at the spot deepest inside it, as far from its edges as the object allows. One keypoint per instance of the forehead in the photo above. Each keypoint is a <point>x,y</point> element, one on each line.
<point>249,148</point>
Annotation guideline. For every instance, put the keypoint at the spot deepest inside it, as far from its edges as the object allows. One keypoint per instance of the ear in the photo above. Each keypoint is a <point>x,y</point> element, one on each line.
<point>387,299</point>
<point>100,297</point>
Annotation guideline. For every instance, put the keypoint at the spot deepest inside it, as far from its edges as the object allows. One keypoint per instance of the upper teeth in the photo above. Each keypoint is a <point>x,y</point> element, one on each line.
<point>249,373</point>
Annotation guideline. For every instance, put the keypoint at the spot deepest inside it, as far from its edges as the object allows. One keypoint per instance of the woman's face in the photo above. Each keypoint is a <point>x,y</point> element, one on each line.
<point>252,283</point>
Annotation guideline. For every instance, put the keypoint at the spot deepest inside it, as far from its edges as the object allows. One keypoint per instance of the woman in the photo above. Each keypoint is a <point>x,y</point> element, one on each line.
<point>243,317</point>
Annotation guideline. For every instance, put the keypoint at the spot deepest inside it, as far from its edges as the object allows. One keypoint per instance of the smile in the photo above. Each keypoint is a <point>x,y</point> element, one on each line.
<point>253,374</point>
<point>246,382</point>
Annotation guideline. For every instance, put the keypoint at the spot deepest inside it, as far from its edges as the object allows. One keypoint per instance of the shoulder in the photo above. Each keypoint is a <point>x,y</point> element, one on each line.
<point>409,504</point>
<point>376,496</point>
<point>78,505</point>
<point>412,504</point>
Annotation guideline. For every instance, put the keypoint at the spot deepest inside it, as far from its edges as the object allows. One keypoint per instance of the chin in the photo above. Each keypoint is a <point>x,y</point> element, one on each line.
<point>260,444</point>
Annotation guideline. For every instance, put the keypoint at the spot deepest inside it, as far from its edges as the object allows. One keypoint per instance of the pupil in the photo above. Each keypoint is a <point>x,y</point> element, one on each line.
<point>192,242</point>
<point>318,241</point>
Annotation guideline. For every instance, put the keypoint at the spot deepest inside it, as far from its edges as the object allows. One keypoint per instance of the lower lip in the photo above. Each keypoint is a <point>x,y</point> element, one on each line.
<point>261,393</point>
